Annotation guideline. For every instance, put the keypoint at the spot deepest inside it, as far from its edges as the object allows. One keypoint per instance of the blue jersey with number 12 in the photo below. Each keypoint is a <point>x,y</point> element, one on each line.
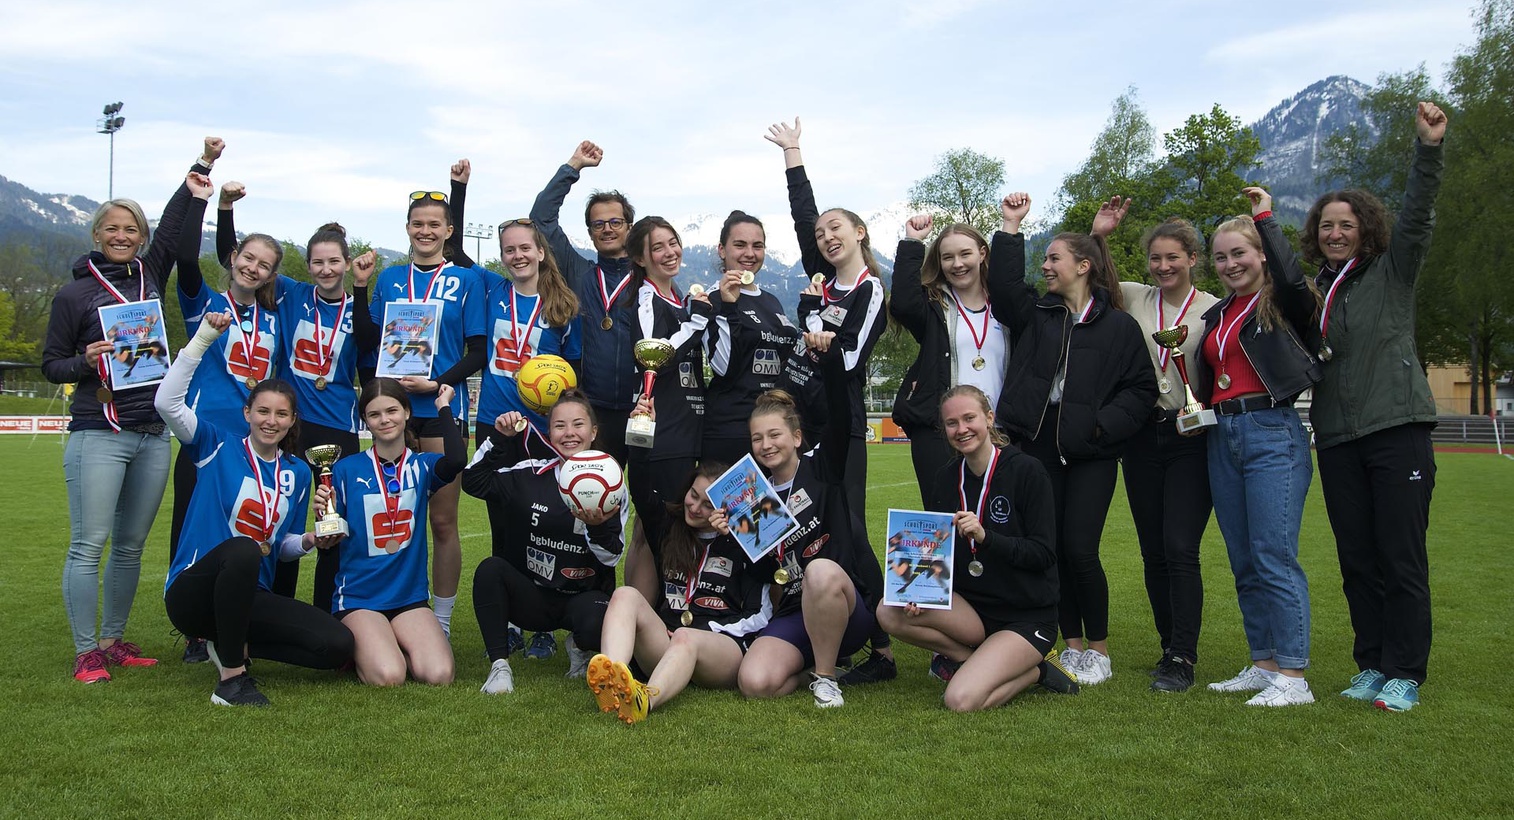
<point>461,294</point>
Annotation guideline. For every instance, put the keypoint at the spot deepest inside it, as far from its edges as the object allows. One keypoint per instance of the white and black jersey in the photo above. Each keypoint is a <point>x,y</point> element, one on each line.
<point>747,343</point>
<point>729,594</point>
<point>542,538</point>
<point>678,395</point>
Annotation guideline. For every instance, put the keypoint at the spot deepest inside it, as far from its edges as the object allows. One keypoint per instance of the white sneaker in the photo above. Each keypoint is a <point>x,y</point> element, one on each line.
<point>1251,679</point>
<point>1093,668</point>
<point>1071,660</point>
<point>1284,691</point>
<point>827,693</point>
<point>578,659</point>
<point>501,679</point>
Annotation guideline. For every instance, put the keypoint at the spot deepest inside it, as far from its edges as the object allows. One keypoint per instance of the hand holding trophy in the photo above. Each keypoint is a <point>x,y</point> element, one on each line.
<point>323,456</point>
<point>1195,417</point>
<point>651,354</point>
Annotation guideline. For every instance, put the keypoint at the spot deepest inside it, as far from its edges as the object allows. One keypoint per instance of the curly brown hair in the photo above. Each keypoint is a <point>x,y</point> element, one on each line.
<point>1369,210</point>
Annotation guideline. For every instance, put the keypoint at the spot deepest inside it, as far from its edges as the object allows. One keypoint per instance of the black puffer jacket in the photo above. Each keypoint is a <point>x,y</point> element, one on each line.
<point>1110,387</point>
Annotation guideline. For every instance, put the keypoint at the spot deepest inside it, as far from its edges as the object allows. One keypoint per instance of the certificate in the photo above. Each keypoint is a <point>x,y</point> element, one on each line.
<point>408,344</point>
<point>139,343</point>
<point>758,517</point>
<point>918,560</point>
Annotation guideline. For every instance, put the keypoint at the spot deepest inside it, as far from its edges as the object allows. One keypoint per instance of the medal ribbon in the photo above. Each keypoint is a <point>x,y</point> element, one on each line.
<point>248,347</point>
<point>604,295</point>
<point>265,496</point>
<point>978,341</point>
<point>1234,325</point>
<point>112,417</point>
<point>391,501</point>
<point>688,596</point>
<point>426,294</point>
<point>672,300</point>
<point>825,290</point>
<point>1324,315</point>
<point>1087,309</point>
<point>516,338</point>
<point>1163,354</point>
<point>323,349</point>
<point>988,476</point>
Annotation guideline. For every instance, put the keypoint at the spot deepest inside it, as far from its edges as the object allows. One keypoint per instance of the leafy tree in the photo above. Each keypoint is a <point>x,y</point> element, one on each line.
<point>1352,157</point>
<point>14,348</point>
<point>1202,175</point>
<point>964,188</point>
<point>1121,162</point>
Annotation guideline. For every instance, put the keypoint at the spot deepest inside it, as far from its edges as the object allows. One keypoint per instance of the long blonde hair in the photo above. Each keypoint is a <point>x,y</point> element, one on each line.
<point>1266,306</point>
<point>931,277</point>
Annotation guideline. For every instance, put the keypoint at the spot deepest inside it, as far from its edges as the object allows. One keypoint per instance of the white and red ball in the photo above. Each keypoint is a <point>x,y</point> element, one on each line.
<point>591,480</point>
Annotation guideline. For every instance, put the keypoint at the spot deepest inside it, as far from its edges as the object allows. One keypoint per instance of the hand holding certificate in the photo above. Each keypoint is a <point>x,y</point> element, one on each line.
<point>918,559</point>
<point>757,517</point>
<point>410,336</point>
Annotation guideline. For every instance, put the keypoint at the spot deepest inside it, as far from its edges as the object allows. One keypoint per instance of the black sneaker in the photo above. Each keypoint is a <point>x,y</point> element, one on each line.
<point>195,652</point>
<point>241,690</point>
<point>876,669</point>
<point>1055,678</point>
<point>1174,674</point>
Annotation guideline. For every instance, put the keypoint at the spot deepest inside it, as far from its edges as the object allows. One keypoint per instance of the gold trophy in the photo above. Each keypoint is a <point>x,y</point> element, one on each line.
<point>1195,417</point>
<point>651,354</point>
<point>323,456</point>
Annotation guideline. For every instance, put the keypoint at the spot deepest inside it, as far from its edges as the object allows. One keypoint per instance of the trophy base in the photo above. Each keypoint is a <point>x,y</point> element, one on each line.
<point>327,527</point>
<point>640,431</point>
<point>1194,422</point>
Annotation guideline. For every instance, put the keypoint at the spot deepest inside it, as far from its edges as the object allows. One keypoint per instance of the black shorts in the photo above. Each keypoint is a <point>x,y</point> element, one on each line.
<point>389,614</point>
<point>431,428</point>
<point>1042,636</point>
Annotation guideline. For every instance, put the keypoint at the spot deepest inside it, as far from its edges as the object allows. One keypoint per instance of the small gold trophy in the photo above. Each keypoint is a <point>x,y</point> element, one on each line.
<point>323,456</point>
<point>1195,416</point>
<point>651,354</point>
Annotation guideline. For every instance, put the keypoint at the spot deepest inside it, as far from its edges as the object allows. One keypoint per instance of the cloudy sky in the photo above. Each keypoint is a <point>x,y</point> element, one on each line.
<point>335,110</point>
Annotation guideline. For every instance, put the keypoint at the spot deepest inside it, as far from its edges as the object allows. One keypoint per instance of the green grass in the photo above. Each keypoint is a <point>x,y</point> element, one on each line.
<point>149,743</point>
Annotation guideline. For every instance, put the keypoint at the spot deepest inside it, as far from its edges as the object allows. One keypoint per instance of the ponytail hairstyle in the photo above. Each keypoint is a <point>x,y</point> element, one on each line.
<point>996,436</point>
<point>1101,274</point>
<point>291,438</point>
<point>931,277</point>
<point>868,259</point>
<point>680,544</point>
<point>735,218</point>
<point>267,293</point>
<point>1267,313</point>
<point>778,402</point>
<point>559,304</point>
<point>636,245</point>
<point>330,232</point>
<point>384,386</point>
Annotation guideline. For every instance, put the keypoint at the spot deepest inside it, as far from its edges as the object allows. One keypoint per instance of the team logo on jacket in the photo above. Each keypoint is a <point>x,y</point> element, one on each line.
<point>998,510</point>
<point>833,315</point>
<point>577,573</point>
<point>799,501</point>
<point>720,566</point>
<point>541,563</point>
<point>686,375</point>
<point>765,362</point>
<point>710,602</point>
<point>809,551</point>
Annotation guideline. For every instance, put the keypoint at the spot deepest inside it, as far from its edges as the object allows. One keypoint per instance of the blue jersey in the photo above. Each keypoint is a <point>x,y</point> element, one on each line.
<point>333,357</point>
<point>461,293</point>
<point>225,503</point>
<point>383,562</point>
<point>518,331</point>
<point>219,389</point>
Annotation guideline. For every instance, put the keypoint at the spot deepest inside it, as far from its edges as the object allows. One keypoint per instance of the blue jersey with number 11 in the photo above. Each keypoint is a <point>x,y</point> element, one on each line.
<point>383,562</point>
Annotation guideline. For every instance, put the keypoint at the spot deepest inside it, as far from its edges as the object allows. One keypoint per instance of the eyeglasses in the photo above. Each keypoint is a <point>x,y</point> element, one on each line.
<point>419,195</point>
<point>525,220</point>
<point>613,224</point>
<point>391,481</point>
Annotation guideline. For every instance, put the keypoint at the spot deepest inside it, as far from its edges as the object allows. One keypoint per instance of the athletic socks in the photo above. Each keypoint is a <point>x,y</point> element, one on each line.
<point>443,609</point>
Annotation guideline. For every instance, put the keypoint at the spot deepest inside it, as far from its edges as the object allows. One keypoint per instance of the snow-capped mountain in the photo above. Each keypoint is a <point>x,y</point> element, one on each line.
<point>1293,133</point>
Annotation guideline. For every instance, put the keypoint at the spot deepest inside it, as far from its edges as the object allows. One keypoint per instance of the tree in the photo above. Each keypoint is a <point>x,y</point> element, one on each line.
<point>1353,157</point>
<point>965,187</point>
<point>1119,163</point>
<point>1202,175</point>
<point>14,348</point>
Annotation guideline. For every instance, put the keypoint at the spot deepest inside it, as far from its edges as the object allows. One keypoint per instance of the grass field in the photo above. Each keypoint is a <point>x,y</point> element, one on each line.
<point>149,742</point>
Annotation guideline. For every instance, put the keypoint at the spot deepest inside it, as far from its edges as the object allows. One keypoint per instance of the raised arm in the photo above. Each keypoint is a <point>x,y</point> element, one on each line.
<point>545,211</point>
<point>161,255</point>
<point>1012,298</point>
<point>187,250</point>
<point>1294,296</point>
<point>175,386</point>
<point>455,251</point>
<point>364,330</point>
<point>1416,220</point>
<point>226,223</point>
<point>802,205</point>
<point>454,449</point>
<point>909,304</point>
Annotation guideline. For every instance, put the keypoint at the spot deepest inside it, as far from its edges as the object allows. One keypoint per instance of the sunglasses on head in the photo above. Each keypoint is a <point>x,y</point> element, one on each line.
<point>436,195</point>
<point>525,220</point>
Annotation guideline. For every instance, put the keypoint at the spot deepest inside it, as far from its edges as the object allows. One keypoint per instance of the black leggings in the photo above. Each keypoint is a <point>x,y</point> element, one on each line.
<point>287,578</point>
<point>612,433</point>
<point>502,595</point>
<point>1081,490</point>
<point>217,598</point>
<point>869,568</point>
<point>929,452</point>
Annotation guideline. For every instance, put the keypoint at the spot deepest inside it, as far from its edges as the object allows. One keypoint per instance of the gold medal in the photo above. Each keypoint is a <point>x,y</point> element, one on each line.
<point>103,395</point>
<point>1164,384</point>
<point>979,363</point>
<point>392,546</point>
<point>607,323</point>
<point>975,568</point>
<point>320,382</point>
<point>696,290</point>
<point>686,618</point>
<point>747,278</point>
<point>520,425</point>
<point>1325,353</point>
<point>265,547</point>
<point>781,576</point>
<point>818,279</point>
<point>1223,381</point>
<point>251,382</point>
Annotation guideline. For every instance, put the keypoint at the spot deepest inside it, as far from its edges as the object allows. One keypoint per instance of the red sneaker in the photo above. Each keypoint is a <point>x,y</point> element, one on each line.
<point>124,653</point>
<point>90,667</point>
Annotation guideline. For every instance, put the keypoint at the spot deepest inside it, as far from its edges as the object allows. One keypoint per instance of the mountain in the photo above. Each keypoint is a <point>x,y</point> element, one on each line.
<point>1293,133</point>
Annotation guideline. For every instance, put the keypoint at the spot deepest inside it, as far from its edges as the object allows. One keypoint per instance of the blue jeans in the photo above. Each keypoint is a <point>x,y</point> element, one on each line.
<point>115,486</point>
<point>1259,474</point>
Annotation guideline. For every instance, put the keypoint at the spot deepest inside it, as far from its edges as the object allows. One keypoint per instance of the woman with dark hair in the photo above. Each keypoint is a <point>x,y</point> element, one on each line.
<point>559,569</point>
<point>748,341</point>
<point>1255,362</point>
<point>1079,386</point>
<point>115,464</point>
<point>247,512</point>
<point>996,639</point>
<point>941,296</point>
<point>713,602</point>
<point>462,339</point>
<point>1166,473</point>
<point>381,588</point>
<point>1372,414</point>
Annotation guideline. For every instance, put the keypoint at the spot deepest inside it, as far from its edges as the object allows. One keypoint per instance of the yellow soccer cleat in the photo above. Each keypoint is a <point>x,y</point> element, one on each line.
<point>601,677</point>
<point>633,708</point>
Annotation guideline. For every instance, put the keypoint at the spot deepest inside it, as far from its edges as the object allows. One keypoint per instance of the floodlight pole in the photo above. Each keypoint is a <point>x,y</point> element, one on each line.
<point>110,124</point>
<point>478,231</point>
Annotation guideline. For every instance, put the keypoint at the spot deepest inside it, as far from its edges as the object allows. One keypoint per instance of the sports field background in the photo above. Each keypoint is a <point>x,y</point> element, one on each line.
<point>150,744</point>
